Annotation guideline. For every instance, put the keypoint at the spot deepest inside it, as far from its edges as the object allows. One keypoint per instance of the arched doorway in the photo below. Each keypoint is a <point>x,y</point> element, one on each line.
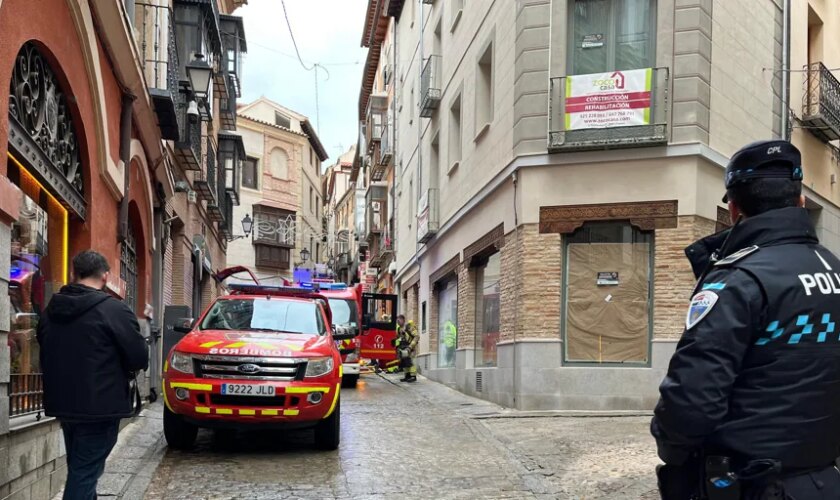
<point>45,163</point>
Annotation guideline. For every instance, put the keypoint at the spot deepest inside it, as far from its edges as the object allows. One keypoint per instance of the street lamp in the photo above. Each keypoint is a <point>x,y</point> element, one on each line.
<point>304,255</point>
<point>247,226</point>
<point>199,74</point>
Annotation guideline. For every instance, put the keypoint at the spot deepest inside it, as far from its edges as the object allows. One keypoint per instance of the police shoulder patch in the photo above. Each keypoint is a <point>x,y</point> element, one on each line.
<point>701,304</point>
<point>735,257</point>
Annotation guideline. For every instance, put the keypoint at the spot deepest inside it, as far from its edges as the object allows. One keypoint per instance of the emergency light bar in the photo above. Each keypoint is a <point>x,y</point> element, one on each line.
<point>323,286</point>
<point>249,289</point>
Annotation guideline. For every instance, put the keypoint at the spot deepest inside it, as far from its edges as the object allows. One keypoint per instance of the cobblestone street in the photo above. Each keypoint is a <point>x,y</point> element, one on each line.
<point>422,441</point>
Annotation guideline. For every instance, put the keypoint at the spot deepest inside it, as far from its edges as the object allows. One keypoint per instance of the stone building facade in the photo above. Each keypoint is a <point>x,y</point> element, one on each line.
<point>542,253</point>
<point>281,190</point>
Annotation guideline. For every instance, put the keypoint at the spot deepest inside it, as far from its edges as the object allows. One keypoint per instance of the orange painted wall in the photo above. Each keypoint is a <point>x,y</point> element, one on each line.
<point>56,35</point>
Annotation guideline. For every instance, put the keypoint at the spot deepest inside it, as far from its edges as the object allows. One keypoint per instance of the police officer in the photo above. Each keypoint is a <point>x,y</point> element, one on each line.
<point>750,406</point>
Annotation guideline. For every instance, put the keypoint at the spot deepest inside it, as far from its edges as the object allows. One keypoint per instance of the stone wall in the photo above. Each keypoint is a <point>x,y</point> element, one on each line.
<point>466,306</point>
<point>32,462</point>
<point>673,278</point>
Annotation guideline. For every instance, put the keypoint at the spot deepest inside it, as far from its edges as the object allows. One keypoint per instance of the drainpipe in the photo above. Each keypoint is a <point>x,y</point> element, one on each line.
<point>786,71</point>
<point>125,156</point>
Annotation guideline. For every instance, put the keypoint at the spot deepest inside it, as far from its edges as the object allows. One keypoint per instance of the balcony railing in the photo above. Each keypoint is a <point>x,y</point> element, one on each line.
<point>227,111</point>
<point>206,180</point>
<point>430,86</point>
<point>376,117</point>
<point>821,102</point>
<point>26,394</point>
<point>377,210</point>
<point>621,118</point>
<point>188,145</point>
<point>226,226</point>
<point>154,33</point>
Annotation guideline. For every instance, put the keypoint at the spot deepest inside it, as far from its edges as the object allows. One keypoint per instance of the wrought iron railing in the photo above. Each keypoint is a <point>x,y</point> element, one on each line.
<point>561,137</point>
<point>154,32</point>
<point>430,86</point>
<point>26,394</point>
<point>821,102</point>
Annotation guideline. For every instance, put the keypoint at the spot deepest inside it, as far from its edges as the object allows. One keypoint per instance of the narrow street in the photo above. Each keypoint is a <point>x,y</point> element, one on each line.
<point>422,441</point>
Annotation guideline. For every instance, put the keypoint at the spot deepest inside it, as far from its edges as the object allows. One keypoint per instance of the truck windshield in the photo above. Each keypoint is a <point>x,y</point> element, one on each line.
<point>282,316</point>
<point>343,312</point>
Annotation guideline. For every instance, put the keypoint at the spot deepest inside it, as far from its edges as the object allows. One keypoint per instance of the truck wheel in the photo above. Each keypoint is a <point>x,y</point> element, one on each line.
<point>327,431</point>
<point>179,434</point>
<point>349,381</point>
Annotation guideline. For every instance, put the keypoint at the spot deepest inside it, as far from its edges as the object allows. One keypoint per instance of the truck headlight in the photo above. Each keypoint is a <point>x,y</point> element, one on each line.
<point>316,367</point>
<point>181,362</point>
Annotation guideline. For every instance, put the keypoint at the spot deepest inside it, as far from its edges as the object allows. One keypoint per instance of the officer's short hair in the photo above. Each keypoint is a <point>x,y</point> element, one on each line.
<point>765,194</point>
<point>401,316</point>
<point>90,264</point>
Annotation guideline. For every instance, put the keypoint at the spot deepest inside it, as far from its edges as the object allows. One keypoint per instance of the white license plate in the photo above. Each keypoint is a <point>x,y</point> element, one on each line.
<point>248,390</point>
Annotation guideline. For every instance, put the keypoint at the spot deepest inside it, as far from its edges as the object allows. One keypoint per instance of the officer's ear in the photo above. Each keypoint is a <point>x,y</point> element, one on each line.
<point>734,211</point>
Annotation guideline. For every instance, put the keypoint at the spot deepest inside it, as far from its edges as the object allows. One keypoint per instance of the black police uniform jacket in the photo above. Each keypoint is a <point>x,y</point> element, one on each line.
<point>90,347</point>
<point>758,377</point>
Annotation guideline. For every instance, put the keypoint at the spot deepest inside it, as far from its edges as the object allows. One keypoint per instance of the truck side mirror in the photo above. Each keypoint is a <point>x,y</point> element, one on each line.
<point>343,333</point>
<point>184,325</point>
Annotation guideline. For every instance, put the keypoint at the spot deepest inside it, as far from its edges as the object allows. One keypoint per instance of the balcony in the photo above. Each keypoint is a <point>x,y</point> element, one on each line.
<point>634,113</point>
<point>231,157</point>
<point>226,226</point>
<point>430,86</point>
<point>376,213</point>
<point>206,181</point>
<point>154,33</point>
<point>188,144</point>
<point>375,121</point>
<point>821,103</point>
<point>428,222</point>
<point>234,48</point>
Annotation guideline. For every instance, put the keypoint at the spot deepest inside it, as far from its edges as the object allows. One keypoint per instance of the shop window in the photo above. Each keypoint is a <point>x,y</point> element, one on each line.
<point>487,294</point>
<point>38,269</point>
<point>447,323</point>
<point>607,275</point>
<point>609,35</point>
<point>128,268</point>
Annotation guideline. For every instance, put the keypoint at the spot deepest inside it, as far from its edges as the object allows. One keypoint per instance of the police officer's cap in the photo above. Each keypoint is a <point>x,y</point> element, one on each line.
<point>761,160</point>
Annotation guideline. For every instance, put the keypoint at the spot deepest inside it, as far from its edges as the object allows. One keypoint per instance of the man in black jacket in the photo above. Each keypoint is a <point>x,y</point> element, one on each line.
<point>91,347</point>
<point>751,400</point>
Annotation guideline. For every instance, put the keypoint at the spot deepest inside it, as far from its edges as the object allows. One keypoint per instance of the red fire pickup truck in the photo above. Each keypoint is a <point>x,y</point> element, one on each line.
<point>260,357</point>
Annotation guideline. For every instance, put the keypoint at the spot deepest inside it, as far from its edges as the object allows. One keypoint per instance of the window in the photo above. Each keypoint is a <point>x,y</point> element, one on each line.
<point>282,120</point>
<point>273,226</point>
<point>279,164</point>
<point>434,162</point>
<point>271,256</point>
<point>250,173</point>
<point>317,255</point>
<point>447,323</point>
<point>457,10</point>
<point>411,107</point>
<point>411,213</point>
<point>484,91</point>
<point>311,156</point>
<point>607,290</point>
<point>455,133</point>
<point>128,267</point>
<point>423,317</point>
<point>611,35</point>
<point>311,200</point>
<point>487,302</point>
<point>35,274</point>
<point>287,316</point>
<point>815,37</point>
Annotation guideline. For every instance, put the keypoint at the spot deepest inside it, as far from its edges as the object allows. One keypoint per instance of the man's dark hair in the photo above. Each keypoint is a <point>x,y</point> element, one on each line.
<point>89,264</point>
<point>762,195</point>
<point>401,316</point>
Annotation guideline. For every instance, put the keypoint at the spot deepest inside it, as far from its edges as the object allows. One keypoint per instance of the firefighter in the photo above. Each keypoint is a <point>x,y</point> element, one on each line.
<point>450,340</point>
<point>407,347</point>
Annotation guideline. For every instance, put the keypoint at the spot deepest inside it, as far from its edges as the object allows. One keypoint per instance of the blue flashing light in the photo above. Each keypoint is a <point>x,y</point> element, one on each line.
<point>323,286</point>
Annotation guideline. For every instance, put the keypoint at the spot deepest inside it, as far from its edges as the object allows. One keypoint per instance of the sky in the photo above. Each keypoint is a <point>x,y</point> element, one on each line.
<point>328,32</point>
